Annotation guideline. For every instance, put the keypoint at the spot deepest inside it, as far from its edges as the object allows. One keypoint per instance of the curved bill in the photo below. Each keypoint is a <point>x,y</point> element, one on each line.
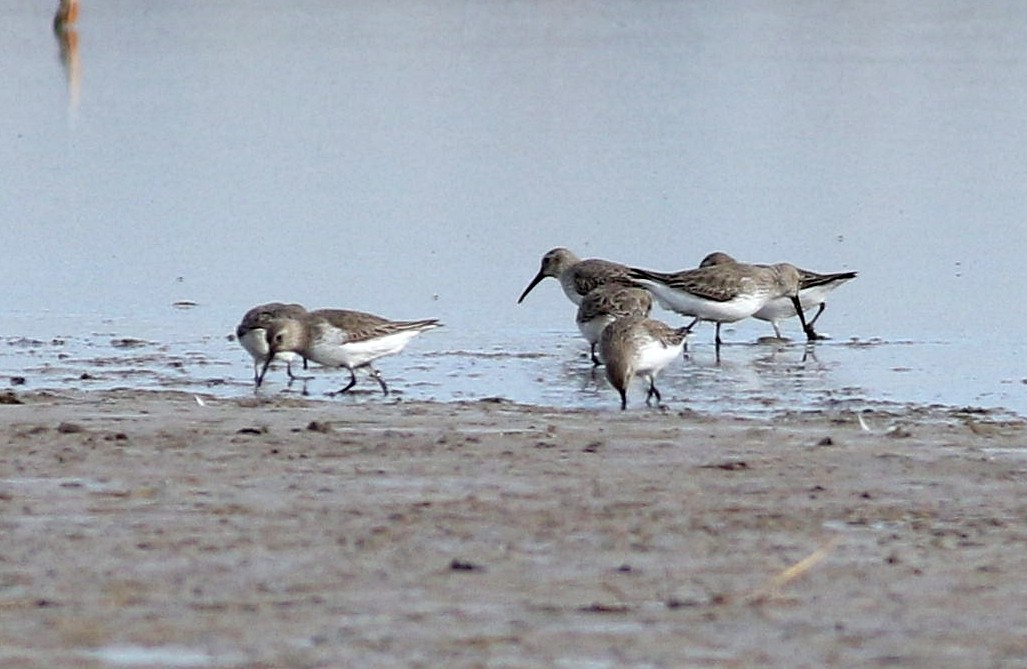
<point>534,282</point>
<point>263,370</point>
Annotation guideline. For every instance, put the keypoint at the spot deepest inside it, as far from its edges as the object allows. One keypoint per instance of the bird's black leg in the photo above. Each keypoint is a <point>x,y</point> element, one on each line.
<point>811,335</point>
<point>293,377</point>
<point>378,377</point>
<point>653,392</point>
<point>820,310</point>
<point>684,348</point>
<point>352,382</point>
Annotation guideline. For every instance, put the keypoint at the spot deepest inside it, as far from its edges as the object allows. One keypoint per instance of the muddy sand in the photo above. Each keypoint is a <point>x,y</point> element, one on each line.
<point>157,529</point>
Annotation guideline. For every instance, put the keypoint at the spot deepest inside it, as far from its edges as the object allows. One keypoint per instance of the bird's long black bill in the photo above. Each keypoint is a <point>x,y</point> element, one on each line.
<point>534,282</point>
<point>263,370</point>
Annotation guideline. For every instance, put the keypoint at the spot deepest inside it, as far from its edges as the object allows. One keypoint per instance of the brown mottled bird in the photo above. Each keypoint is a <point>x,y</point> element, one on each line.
<point>343,338</point>
<point>639,346</point>
<point>813,290</point>
<point>723,293</point>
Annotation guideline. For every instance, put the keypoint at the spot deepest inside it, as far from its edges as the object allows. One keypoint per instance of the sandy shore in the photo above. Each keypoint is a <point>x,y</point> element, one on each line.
<point>148,529</point>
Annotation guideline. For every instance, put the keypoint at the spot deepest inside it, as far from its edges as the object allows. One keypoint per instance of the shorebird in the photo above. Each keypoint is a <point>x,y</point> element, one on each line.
<point>342,338</point>
<point>252,330</point>
<point>607,303</point>
<point>638,346</point>
<point>724,293</point>
<point>813,291</point>
<point>577,277</point>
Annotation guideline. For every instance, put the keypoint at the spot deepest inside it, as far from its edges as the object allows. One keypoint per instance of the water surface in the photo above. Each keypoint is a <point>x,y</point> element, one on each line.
<point>416,160</point>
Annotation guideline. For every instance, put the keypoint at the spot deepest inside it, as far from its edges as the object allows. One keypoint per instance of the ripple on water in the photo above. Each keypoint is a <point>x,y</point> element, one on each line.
<point>547,369</point>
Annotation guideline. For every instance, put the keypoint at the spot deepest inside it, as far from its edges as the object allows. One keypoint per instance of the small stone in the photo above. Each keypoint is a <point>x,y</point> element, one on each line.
<point>463,565</point>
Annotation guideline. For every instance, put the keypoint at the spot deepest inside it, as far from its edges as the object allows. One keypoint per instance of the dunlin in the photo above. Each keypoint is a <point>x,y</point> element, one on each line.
<point>723,293</point>
<point>607,303</point>
<point>577,277</point>
<point>813,290</point>
<point>341,338</point>
<point>252,334</point>
<point>642,347</point>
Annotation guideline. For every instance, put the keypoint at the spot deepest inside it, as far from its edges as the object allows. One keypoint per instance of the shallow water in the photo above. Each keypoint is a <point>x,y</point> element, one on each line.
<point>417,160</point>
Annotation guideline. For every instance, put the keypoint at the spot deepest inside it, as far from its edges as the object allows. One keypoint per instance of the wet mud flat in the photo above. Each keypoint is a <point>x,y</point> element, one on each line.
<point>157,528</point>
